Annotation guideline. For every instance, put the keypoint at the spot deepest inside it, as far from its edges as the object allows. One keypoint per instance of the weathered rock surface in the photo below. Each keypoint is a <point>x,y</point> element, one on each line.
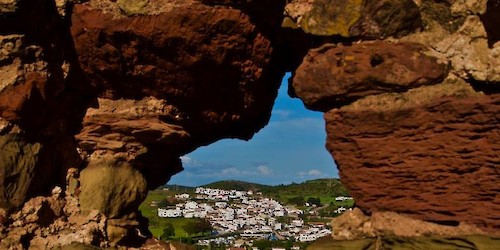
<point>141,83</point>
<point>116,189</point>
<point>42,100</point>
<point>136,131</point>
<point>49,222</point>
<point>354,224</point>
<point>424,154</point>
<point>424,242</point>
<point>175,54</point>
<point>169,82</point>
<point>170,76</point>
<point>332,76</point>
<point>359,18</point>
<point>415,145</point>
<point>17,166</point>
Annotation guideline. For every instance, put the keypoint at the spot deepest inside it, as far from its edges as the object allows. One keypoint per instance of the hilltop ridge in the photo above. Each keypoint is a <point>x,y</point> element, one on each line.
<point>318,187</point>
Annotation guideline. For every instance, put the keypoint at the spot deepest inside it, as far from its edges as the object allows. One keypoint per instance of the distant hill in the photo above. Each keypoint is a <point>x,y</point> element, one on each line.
<point>179,188</point>
<point>236,185</point>
<point>312,188</point>
<point>320,187</point>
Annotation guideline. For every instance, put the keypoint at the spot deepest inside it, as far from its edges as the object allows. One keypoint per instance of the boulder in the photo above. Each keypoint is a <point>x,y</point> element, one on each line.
<point>430,153</point>
<point>353,18</point>
<point>332,76</point>
<point>112,187</point>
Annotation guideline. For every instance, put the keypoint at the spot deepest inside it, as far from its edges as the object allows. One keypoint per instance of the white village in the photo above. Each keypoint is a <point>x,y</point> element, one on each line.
<point>239,217</point>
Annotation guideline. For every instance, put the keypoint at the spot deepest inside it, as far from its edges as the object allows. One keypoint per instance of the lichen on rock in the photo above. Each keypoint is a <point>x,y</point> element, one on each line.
<point>133,7</point>
<point>112,187</point>
<point>18,160</point>
<point>331,17</point>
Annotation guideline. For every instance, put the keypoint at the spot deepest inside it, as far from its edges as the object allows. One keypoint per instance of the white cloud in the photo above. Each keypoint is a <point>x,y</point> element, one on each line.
<point>230,171</point>
<point>264,170</point>
<point>282,113</point>
<point>311,173</point>
<point>315,172</point>
<point>189,162</point>
<point>186,160</point>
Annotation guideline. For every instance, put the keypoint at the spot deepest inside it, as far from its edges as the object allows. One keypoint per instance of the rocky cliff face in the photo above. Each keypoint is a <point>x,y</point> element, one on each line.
<point>98,99</point>
<point>106,106</point>
<point>414,129</point>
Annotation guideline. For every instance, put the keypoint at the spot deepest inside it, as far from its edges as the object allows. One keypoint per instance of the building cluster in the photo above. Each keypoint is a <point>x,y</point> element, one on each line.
<point>250,216</point>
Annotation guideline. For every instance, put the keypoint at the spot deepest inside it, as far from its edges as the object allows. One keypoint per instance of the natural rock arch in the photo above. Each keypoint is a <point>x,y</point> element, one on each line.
<point>142,84</point>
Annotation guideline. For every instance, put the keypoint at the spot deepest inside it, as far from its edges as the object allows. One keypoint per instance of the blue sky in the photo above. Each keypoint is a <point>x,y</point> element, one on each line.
<point>289,149</point>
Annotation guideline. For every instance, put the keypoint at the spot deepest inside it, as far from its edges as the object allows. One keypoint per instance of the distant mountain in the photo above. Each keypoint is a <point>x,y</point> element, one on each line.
<point>178,188</point>
<point>312,188</point>
<point>236,185</point>
<point>319,187</point>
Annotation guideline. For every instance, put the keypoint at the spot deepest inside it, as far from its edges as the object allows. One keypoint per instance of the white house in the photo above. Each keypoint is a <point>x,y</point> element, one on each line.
<point>169,213</point>
<point>340,210</point>
<point>191,205</point>
<point>182,196</point>
<point>221,204</point>
<point>297,223</point>
<point>342,198</point>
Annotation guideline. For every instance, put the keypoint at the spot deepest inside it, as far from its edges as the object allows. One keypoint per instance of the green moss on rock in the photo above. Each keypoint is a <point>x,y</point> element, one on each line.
<point>133,7</point>
<point>332,17</point>
<point>112,187</point>
<point>18,159</point>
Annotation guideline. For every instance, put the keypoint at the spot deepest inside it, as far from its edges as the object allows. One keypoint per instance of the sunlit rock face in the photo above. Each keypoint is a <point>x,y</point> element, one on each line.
<point>415,130</point>
<point>137,84</point>
<point>177,76</point>
<point>341,74</point>
<point>353,18</point>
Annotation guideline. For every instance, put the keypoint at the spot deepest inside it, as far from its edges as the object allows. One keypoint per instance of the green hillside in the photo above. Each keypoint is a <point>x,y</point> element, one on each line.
<point>319,187</point>
<point>236,185</point>
<point>179,188</point>
<point>325,189</point>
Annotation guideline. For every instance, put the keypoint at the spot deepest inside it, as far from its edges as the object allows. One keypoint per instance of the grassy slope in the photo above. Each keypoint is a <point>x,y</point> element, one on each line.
<point>325,189</point>
<point>156,224</point>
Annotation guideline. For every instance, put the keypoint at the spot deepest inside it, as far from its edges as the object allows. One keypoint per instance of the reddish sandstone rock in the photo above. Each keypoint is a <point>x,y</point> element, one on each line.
<point>212,63</point>
<point>428,153</point>
<point>170,76</point>
<point>332,76</point>
<point>355,225</point>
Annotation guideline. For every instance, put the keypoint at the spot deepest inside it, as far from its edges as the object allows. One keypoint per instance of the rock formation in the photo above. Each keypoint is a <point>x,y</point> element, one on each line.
<point>407,135</point>
<point>100,98</point>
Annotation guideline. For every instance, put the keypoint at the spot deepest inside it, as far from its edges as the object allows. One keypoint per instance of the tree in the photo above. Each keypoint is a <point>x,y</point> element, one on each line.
<point>190,227</point>
<point>314,201</point>
<point>168,231</point>
<point>203,226</point>
<point>197,226</point>
<point>297,200</point>
<point>263,244</point>
<point>164,203</point>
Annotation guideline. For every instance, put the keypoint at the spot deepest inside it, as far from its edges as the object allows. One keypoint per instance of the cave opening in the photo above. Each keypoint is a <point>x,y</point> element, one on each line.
<point>290,149</point>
